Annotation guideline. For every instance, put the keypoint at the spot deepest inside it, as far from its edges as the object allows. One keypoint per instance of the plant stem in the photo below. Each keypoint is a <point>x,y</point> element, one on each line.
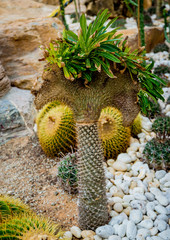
<point>77,15</point>
<point>63,14</point>
<point>141,32</point>
<point>93,210</point>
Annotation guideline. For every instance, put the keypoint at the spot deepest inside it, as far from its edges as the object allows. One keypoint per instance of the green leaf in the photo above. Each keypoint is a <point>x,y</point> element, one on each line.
<point>72,35</point>
<point>109,47</point>
<point>106,69</point>
<point>83,25</point>
<point>109,56</point>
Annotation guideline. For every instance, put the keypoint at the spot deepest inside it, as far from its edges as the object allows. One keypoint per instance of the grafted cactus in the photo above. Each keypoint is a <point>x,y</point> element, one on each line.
<point>83,74</point>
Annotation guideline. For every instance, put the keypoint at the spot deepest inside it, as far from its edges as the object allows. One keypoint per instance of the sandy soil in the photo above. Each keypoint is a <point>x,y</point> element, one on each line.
<point>27,173</point>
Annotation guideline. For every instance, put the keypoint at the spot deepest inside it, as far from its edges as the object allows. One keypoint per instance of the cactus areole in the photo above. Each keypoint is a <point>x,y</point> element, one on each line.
<point>88,73</point>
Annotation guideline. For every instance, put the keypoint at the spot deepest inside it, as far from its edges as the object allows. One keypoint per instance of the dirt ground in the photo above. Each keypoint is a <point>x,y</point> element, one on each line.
<point>26,172</point>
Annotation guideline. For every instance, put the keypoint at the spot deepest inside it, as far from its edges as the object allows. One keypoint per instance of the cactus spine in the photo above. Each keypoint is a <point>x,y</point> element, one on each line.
<point>115,137</point>
<point>56,129</point>
<point>93,210</point>
<point>10,206</point>
<point>29,228</point>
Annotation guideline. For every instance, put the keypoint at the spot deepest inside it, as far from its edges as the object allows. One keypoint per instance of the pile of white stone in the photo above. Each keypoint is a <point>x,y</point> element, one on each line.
<point>139,198</point>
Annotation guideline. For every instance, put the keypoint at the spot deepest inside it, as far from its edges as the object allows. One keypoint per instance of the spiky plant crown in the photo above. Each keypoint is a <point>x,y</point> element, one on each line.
<point>157,154</point>
<point>115,137</point>
<point>10,206</point>
<point>29,228</point>
<point>94,49</point>
<point>56,129</point>
<point>67,172</point>
<point>161,127</point>
<point>136,127</point>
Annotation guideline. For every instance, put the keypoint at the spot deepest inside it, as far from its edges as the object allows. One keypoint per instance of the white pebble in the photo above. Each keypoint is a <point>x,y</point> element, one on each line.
<point>76,231</point>
<point>131,230</point>
<point>147,223</point>
<point>124,157</point>
<point>136,216</point>
<point>67,235</point>
<point>105,231</point>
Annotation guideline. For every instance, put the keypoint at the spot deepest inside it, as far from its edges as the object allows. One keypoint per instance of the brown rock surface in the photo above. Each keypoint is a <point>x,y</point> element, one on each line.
<point>20,39</point>
<point>5,83</point>
<point>153,36</point>
<point>51,2</point>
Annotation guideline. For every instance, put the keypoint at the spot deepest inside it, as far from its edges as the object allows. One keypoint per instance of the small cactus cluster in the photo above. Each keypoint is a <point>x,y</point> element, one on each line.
<point>18,222</point>
<point>154,111</point>
<point>161,47</point>
<point>67,173</point>
<point>157,151</point>
<point>56,129</point>
<point>115,137</point>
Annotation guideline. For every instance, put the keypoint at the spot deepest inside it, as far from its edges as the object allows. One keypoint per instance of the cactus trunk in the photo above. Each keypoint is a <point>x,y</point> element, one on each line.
<point>93,209</point>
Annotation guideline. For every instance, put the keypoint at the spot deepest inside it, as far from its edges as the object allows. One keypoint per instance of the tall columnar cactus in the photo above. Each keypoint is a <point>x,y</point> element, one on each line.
<point>81,74</point>
<point>141,32</point>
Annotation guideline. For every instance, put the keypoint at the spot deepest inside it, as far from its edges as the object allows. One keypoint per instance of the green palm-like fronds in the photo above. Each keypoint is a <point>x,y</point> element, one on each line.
<point>94,49</point>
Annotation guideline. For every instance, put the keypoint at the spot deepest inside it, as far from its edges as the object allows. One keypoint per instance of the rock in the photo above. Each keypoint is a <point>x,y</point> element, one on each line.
<point>139,196</point>
<point>160,224</point>
<point>128,198</point>
<point>110,162</point>
<point>120,166</point>
<point>127,211</point>
<point>118,207</point>
<point>163,217</point>
<point>24,101</point>
<point>151,214</point>
<point>160,174</point>
<point>114,237</point>
<point>162,199</point>
<point>124,157</point>
<point>105,231</point>
<point>76,231</point>
<point>122,230</point>
<point>153,231</point>
<point>136,216</point>
<point>165,179</point>
<point>5,83</point>
<point>67,235</point>
<point>148,224</point>
<point>143,233</point>
<point>113,214</point>
<point>96,237</point>
<point>22,33</point>
<point>131,230</point>
<point>160,209</point>
<point>149,196</point>
<point>12,124</point>
<point>142,174</point>
<point>140,205</point>
<point>165,234</point>
<point>109,175</point>
<point>150,206</point>
<point>116,220</point>
<point>87,233</point>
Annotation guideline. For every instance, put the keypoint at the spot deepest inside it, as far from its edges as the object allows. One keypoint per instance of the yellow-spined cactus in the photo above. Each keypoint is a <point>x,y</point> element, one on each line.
<point>115,137</point>
<point>29,228</point>
<point>136,127</point>
<point>56,129</point>
<point>10,207</point>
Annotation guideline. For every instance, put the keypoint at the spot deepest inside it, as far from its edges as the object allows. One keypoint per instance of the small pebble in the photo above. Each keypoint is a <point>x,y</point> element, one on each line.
<point>76,231</point>
<point>105,231</point>
<point>118,207</point>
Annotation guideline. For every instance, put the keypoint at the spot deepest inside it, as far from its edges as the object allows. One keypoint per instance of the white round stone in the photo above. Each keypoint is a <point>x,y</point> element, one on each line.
<point>151,214</point>
<point>124,157</point>
<point>160,209</point>
<point>118,207</point>
<point>136,216</point>
<point>143,233</point>
<point>160,174</point>
<point>76,231</point>
<point>165,234</point>
<point>131,230</point>
<point>67,235</point>
<point>105,231</point>
<point>147,223</point>
<point>160,224</point>
<point>96,237</point>
<point>153,231</point>
<point>122,230</point>
<point>114,237</point>
<point>119,166</point>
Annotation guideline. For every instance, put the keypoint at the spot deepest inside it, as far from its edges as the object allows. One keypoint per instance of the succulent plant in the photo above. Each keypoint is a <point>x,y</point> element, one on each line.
<point>154,111</point>
<point>157,154</point>
<point>115,137</point>
<point>161,127</point>
<point>67,172</point>
<point>29,228</point>
<point>136,127</point>
<point>56,129</point>
<point>161,47</point>
<point>10,207</point>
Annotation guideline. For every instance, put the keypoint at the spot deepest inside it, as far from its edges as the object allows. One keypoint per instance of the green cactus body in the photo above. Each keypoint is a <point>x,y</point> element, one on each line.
<point>93,210</point>
<point>10,206</point>
<point>67,173</point>
<point>29,228</point>
<point>161,127</point>
<point>115,137</point>
<point>56,129</point>
<point>136,127</point>
<point>157,154</point>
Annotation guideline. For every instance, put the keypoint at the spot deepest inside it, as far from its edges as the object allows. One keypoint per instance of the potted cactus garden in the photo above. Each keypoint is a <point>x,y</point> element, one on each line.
<point>89,71</point>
